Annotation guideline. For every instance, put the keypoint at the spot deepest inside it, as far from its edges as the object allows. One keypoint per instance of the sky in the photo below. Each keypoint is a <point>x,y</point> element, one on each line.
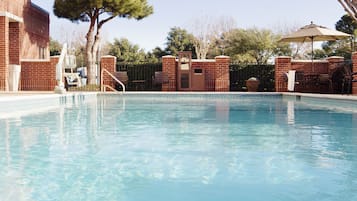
<point>152,31</point>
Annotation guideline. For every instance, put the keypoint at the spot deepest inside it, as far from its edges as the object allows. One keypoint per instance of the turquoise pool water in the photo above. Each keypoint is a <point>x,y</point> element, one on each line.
<point>186,147</point>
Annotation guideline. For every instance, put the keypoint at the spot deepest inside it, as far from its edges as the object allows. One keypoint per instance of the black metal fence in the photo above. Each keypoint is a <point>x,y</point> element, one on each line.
<point>141,75</point>
<point>238,74</point>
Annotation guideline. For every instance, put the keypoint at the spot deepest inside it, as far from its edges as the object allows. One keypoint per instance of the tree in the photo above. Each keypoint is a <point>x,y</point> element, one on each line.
<point>91,11</point>
<point>55,47</point>
<point>159,53</point>
<point>253,45</point>
<point>126,51</point>
<point>341,47</point>
<point>346,24</point>
<point>207,30</point>
<point>178,40</point>
<point>350,7</point>
<point>78,43</point>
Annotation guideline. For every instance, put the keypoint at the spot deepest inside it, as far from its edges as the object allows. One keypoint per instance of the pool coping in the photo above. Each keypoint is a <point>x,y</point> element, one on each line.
<point>18,104</point>
<point>6,96</point>
<point>323,96</point>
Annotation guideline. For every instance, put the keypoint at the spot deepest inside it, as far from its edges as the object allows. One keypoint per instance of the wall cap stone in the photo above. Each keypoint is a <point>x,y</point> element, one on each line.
<point>168,56</point>
<point>283,57</point>
<point>12,17</point>
<point>37,60</point>
<point>203,60</point>
<point>222,57</point>
<point>335,57</point>
<point>309,61</point>
<point>108,56</point>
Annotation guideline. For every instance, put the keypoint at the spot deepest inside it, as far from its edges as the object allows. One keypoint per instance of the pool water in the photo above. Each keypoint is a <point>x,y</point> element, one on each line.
<point>192,148</point>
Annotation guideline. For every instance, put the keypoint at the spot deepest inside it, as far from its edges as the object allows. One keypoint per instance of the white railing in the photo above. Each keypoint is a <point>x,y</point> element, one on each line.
<point>59,69</point>
<point>112,76</point>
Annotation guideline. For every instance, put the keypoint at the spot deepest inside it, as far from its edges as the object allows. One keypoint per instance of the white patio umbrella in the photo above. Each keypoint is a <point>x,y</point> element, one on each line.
<point>312,33</point>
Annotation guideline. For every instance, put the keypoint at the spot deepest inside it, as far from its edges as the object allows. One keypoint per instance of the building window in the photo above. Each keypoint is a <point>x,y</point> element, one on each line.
<point>42,53</point>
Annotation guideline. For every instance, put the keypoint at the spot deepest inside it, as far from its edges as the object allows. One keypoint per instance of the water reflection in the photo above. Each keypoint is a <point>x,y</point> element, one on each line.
<point>291,112</point>
<point>125,145</point>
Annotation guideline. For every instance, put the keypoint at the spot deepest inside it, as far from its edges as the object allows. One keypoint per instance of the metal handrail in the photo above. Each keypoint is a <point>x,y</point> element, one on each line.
<point>111,75</point>
<point>107,86</point>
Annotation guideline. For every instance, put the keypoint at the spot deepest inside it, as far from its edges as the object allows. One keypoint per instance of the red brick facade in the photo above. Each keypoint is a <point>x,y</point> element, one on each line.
<point>24,35</point>
<point>216,73</point>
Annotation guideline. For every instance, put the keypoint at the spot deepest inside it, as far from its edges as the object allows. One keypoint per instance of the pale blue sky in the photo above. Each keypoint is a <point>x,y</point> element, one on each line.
<point>152,31</point>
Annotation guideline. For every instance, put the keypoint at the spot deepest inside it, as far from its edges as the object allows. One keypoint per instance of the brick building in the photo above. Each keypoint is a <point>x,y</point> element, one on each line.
<point>24,37</point>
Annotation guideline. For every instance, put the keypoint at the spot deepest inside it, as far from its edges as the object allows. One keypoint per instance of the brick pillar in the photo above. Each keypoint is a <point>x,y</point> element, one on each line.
<point>108,63</point>
<point>4,53</point>
<point>354,84</point>
<point>333,62</point>
<point>169,68</point>
<point>222,73</point>
<point>282,66</point>
<point>14,43</point>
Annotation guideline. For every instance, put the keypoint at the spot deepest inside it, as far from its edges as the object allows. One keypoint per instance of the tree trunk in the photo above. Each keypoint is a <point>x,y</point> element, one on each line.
<point>92,46</point>
<point>90,61</point>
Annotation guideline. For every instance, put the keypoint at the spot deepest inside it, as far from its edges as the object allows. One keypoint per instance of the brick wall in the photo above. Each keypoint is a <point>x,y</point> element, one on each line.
<point>14,7</point>
<point>334,62</point>
<point>14,43</point>
<point>216,73</point>
<point>108,63</point>
<point>354,69</point>
<point>35,33</point>
<point>209,67</point>
<point>33,27</point>
<point>308,67</point>
<point>4,55</point>
<point>284,64</point>
<point>24,34</point>
<point>38,75</point>
<point>169,66</point>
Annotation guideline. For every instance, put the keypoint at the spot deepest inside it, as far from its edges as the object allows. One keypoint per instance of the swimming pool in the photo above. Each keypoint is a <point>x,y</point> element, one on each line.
<point>181,147</point>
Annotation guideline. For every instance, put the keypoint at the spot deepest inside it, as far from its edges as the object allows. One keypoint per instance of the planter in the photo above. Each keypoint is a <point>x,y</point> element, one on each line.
<point>14,77</point>
<point>252,84</point>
